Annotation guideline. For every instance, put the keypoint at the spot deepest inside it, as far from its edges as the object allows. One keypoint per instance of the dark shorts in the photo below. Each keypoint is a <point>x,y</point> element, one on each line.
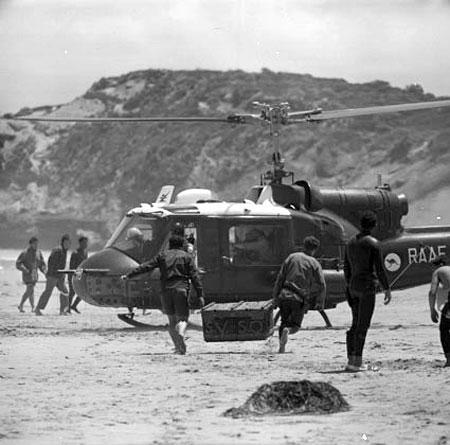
<point>175,302</point>
<point>292,313</point>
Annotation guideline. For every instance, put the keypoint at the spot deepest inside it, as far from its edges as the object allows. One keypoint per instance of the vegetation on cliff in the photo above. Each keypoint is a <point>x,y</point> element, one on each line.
<point>95,172</point>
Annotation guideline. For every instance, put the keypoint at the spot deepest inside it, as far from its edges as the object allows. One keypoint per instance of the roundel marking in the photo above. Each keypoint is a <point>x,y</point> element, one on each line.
<point>392,262</point>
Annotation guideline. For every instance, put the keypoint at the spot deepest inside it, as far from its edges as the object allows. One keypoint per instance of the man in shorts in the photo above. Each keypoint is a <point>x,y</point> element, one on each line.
<point>178,270</point>
<point>441,276</point>
<point>300,278</point>
<point>29,262</point>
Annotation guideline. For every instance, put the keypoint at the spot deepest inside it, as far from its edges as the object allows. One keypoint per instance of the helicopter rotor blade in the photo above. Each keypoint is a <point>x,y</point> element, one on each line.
<point>265,117</point>
<point>231,119</point>
<point>117,119</point>
<point>318,115</point>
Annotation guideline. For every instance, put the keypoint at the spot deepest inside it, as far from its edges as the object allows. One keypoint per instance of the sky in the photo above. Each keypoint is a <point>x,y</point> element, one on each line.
<point>52,51</point>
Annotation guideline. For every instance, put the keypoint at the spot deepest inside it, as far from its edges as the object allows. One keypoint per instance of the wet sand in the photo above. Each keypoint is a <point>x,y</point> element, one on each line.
<point>91,379</point>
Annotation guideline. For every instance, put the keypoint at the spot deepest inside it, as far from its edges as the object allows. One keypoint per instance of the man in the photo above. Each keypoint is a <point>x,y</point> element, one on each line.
<point>29,262</point>
<point>177,269</point>
<point>56,261</point>
<point>441,276</point>
<point>299,282</point>
<point>188,244</point>
<point>362,266</point>
<point>77,257</point>
<point>136,238</point>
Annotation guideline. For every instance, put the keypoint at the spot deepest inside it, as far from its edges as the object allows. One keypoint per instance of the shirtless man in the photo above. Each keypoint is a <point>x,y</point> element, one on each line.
<point>441,276</point>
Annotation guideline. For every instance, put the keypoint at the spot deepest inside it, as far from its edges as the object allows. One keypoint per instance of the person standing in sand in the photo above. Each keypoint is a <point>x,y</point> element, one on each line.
<point>29,262</point>
<point>56,261</point>
<point>441,276</point>
<point>362,266</point>
<point>77,257</point>
<point>178,270</point>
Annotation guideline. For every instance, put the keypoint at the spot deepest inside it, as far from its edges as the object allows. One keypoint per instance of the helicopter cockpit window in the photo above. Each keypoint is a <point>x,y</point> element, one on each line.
<point>134,237</point>
<point>255,244</point>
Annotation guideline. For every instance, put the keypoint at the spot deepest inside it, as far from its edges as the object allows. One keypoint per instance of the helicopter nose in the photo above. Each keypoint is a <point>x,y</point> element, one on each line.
<point>97,279</point>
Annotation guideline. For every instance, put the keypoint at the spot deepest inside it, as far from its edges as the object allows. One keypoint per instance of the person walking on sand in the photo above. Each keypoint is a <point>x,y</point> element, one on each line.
<point>178,270</point>
<point>441,276</point>
<point>29,262</point>
<point>300,278</point>
<point>56,261</point>
<point>362,266</point>
<point>77,257</point>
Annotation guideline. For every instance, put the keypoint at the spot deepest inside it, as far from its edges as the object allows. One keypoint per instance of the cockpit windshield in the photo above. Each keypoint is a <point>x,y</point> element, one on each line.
<point>136,236</point>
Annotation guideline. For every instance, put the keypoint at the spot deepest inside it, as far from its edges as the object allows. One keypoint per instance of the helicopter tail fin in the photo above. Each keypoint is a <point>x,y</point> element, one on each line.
<point>165,195</point>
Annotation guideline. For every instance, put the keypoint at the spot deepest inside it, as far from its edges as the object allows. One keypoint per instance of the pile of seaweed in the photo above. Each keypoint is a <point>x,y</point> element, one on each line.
<point>296,397</point>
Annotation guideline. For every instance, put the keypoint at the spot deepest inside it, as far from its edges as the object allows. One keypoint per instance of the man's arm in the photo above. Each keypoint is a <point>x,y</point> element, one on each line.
<point>281,277</point>
<point>381,274</point>
<point>53,261</point>
<point>322,288</point>
<point>20,263</point>
<point>41,264</point>
<point>347,267</point>
<point>195,278</point>
<point>73,260</point>
<point>432,297</point>
<point>148,266</point>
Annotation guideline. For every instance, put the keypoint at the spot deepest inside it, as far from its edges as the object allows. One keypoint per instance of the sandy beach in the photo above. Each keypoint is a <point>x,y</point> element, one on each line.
<point>91,379</point>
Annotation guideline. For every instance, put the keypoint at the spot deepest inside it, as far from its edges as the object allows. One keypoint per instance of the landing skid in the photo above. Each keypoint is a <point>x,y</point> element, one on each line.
<point>129,318</point>
<point>326,319</point>
<point>322,313</point>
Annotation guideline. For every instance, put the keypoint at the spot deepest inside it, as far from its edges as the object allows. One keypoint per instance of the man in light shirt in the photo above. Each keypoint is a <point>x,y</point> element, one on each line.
<point>441,276</point>
<point>299,284</point>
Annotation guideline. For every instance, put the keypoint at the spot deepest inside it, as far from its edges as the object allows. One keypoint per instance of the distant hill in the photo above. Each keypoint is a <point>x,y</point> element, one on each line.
<point>83,177</point>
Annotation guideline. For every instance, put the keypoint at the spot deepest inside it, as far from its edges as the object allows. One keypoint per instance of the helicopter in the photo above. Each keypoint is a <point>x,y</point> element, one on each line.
<point>239,246</point>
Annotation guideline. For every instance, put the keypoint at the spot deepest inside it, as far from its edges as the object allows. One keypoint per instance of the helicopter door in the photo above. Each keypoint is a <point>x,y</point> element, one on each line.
<point>208,254</point>
<point>253,253</point>
<point>202,236</point>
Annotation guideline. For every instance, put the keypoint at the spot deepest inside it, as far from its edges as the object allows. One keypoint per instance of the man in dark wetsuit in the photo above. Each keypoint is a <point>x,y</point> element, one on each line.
<point>362,266</point>
<point>178,270</point>
<point>300,278</point>
<point>441,276</point>
<point>77,257</point>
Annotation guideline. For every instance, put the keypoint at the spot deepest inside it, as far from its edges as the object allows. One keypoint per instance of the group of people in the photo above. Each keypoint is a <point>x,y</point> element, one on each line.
<point>31,261</point>
<point>299,286</point>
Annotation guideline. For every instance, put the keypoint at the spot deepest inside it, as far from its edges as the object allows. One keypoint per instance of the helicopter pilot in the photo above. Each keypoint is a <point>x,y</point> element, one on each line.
<point>136,239</point>
<point>252,246</point>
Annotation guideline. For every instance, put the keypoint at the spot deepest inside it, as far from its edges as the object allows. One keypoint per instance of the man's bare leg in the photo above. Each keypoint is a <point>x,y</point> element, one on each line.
<point>181,327</point>
<point>173,333</point>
